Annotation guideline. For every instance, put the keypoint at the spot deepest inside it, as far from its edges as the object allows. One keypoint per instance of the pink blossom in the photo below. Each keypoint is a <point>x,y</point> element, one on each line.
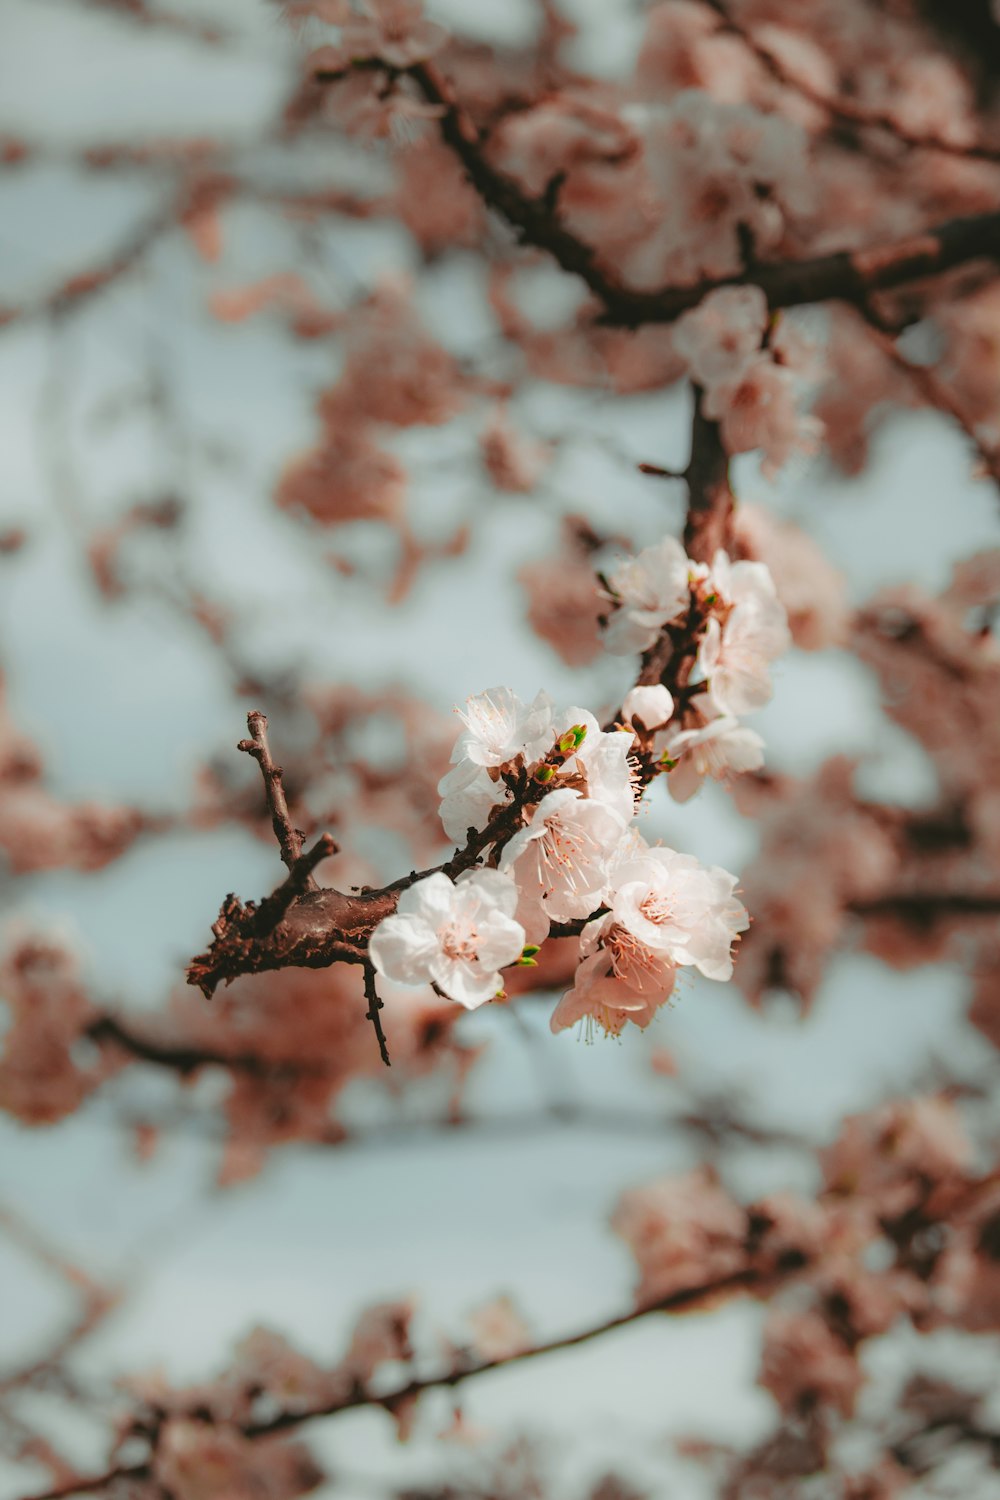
<point>617,980</point>
<point>720,748</point>
<point>804,1361</point>
<point>720,336</point>
<point>735,656</point>
<point>683,1232</point>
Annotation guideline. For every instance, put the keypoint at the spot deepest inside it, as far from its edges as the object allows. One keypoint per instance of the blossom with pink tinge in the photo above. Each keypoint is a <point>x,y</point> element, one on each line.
<point>676,907</point>
<point>717,173</point>
<point>456,935</point>
<point>650,590</point>
<point>720,336</point>
<point>805,1362</point>
<point>683,1231</point>
<point>617,980</point>
<point>722,747</point>
<point>665,910</point>
<point>560,860</point>
<point>735,656</point>
<point>756,408</point>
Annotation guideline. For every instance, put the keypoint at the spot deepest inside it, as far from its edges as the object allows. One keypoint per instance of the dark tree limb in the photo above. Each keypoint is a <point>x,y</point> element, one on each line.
<point>710,499</point>
<point>317,929</point>
<point>845,275</point>
<point>185,1058</point>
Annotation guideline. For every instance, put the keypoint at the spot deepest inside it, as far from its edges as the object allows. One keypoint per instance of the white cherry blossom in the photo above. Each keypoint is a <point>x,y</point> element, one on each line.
<point>499,727</point>
<point>651,590</point>
<point>677,907</point>
<point>560,860</point>
<point>652,706</point>
<point>719,748</point>
<point>468,796</point>
<point>457,935</point>
<point>601,759</point>
<point>735,654</point>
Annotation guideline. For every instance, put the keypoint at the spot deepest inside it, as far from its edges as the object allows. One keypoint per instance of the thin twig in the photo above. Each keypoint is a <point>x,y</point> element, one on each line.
<point>372,1013</point>
<point>289,838</point>
<point>934,391</point>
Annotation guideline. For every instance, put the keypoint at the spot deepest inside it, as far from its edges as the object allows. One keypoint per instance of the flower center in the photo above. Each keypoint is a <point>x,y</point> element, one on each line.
<point>565,854</point>
<point>656,908</point>
<point>459,943</point>
<point>631,961</point>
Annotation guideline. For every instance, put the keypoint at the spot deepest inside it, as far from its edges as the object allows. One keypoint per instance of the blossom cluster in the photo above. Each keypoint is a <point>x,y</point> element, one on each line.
<point>721,175</point>
<point>726,625</point>
<point>549,797</point>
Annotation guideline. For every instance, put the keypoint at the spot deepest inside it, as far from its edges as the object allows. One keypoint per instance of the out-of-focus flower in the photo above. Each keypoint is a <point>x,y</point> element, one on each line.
<point>735,656</point>
<point>720,748</point>
<point>650,590</point>
<point>720,336</point>
<point>683,1232</point>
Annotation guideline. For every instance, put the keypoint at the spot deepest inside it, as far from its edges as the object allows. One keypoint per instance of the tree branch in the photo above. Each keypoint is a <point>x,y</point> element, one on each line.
<point>844,110</point>
<point>681,1300</point>
<point>710,499</point>
<point>845,275</point>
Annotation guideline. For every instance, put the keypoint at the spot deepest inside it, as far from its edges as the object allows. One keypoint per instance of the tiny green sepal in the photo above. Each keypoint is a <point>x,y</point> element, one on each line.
<point>544,773</point>
<point>579,733</point>
<point>530,949</point>
<point>567,743</point>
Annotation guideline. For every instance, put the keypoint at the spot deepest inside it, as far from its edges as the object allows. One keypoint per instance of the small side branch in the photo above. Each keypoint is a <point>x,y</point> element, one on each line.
<point>289,838</point>
<point>374,1006</point>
